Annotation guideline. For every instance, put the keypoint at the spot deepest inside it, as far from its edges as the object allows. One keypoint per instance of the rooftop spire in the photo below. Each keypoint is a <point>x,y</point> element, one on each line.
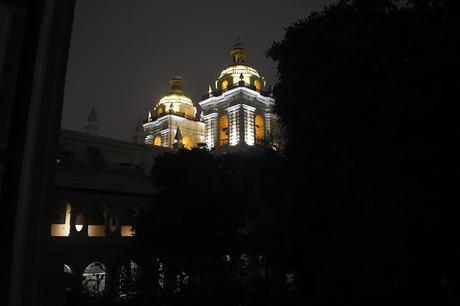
<point>92,115</point>
<point>138,125</point>
<point>178,136</point>
<point>238,53</point>
<point>91,127</point>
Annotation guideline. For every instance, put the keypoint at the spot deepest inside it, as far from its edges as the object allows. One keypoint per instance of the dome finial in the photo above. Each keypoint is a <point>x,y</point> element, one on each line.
<point>238,53</point>
<point>176,83</point>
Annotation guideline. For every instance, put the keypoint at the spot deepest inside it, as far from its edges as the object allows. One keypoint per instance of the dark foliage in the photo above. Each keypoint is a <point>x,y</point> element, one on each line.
<point>368,92</point>
<point>215,234</point>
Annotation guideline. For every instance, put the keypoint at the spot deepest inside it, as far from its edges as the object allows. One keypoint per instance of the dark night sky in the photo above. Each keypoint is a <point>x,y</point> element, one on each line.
<point>124,52</point>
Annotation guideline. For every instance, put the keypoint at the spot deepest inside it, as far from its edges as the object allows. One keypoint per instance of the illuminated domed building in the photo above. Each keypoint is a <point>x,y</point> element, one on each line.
<point>173,122</point>
<point>238,109</point>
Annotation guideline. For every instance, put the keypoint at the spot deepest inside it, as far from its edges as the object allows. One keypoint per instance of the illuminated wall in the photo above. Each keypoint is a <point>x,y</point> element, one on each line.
<point>81,223</point>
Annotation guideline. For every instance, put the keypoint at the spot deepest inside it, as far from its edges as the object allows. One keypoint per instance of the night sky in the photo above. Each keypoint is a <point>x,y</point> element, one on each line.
<point>124,52</point>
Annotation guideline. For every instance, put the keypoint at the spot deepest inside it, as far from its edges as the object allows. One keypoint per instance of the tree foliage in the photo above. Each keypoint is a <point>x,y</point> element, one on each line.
<point>367,90</point>
<point>216,227</point>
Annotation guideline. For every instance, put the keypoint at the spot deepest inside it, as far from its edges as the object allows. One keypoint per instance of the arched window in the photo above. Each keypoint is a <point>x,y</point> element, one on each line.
<point>67,269</point>
<point>128,276</point>
<point>93,280</point>
<point>187,142</point>
<point>157,141</point>
<point>224,85</point>
<point>67,278</point>
<point>223,129</point>
<point>113,223</point>
<point>257,85</point>
<point>260,128</point>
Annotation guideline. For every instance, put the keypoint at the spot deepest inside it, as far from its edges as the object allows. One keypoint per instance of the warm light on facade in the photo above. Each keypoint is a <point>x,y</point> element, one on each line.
<point>96,230</point>
<point>127,231</point>
<point>223,129</point>
<point>187,142</point>
<point>224,85</point>
<point>62,230</point>
<point>257,85</point>
<point>260,128</point>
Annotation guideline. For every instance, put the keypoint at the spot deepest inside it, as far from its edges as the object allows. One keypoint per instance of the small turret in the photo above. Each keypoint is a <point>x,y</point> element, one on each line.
<point>138,134</point>
<point>92,126</point>
<point>179,139</point>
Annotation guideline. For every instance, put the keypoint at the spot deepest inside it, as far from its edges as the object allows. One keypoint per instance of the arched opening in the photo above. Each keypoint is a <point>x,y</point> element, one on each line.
<point>128,276</point>
<point>224,85</point>
<point>93,280</point>
<point>223,129</point>
<point>187,141</point>
<point>260,128</point>
<point>79,222</point>
<point>67,269</point>
<point>67,279</point>
<point>160,110</point>
<point>113,223</point>
<point>157,141</point>
<point>257,85</point>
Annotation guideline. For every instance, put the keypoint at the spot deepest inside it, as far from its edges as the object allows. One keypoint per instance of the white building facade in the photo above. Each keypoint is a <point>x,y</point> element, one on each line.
<point>173,122</point>
<point>239,107</point>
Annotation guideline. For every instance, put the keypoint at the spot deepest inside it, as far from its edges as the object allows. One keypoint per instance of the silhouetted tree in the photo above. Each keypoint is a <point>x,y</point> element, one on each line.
<point>216,229</point>
<point>368,92</point>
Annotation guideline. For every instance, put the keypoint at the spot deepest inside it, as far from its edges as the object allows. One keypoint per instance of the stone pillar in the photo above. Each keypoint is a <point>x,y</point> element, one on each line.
<point>211,132</point>
<point>234,124</point>
<point>249,124</point>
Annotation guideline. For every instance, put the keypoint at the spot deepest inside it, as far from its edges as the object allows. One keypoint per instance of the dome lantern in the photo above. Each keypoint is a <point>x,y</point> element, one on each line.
<point>176,84</point>
<point>238,53</point>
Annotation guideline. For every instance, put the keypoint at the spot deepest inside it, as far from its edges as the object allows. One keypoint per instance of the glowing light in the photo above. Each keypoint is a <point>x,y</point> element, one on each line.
<point>127,231</point>
<point>79,222</point>
<point>224,85</point>
<point>239,69</point>
<point>223,129</point>
<point>260,128</point>
<point>175,98</point>
<point>257,85</point>
<point>187,142</point>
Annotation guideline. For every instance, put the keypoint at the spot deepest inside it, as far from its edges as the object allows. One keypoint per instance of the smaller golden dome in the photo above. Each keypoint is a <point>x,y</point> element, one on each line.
<point>175,101</point>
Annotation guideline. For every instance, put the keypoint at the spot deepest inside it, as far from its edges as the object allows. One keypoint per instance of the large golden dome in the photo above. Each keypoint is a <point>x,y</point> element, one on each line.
<point>239,73</point>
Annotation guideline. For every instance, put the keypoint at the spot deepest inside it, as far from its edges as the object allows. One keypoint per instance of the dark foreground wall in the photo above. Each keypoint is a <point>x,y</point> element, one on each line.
<point>34,43</point>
